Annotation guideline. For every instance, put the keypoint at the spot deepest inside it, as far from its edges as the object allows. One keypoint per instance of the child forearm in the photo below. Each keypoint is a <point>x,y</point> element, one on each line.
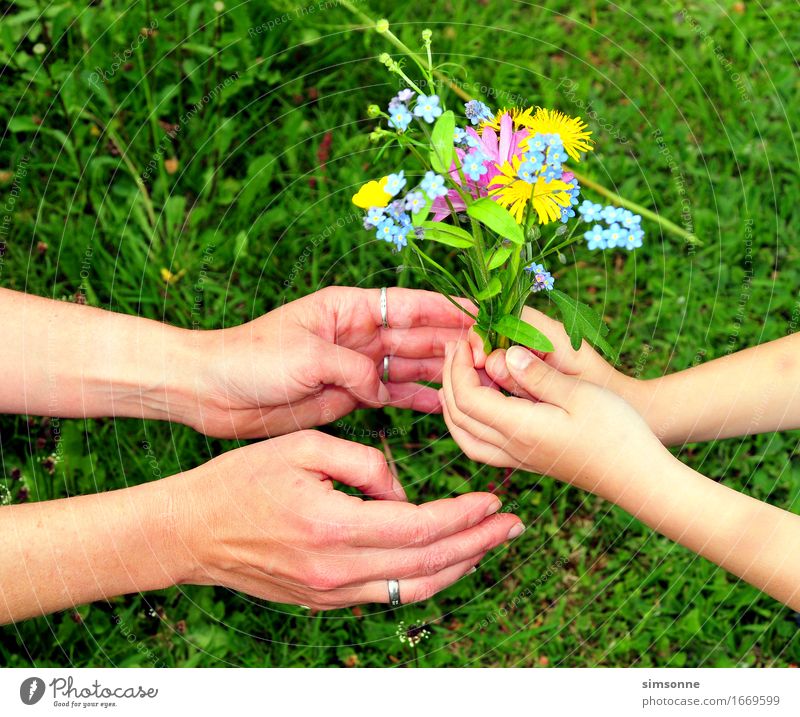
<point>754,540</point>
<point>753,391</point>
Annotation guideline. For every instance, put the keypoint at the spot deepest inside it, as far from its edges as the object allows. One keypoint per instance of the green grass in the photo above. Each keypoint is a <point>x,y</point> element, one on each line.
<point>253,219</point>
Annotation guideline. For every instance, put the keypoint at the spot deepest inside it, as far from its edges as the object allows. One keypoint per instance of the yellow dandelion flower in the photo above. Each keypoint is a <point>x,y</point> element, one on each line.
<point>572,130</point>
<point>515,194</point>
<point>515,113</point>
<point>372,194</point>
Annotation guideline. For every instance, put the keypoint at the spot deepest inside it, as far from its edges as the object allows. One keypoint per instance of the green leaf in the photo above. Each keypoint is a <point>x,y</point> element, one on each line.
<point>498,257</point>
<point>21,124</point>
<point>492,289</point>
<point>498,219</point>
<point>442,142</point>
<point>447,234</point>
<point>240,245</point>
<point>582,322</point>
<point>517,330</point>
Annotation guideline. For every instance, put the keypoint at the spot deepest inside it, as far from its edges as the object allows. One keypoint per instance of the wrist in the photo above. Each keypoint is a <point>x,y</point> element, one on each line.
<point>172,526</point>
<point>159,374</point>
<point>634,469</point>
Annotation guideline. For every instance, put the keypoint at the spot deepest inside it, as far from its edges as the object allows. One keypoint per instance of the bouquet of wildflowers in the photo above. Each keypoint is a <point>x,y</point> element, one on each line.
<point>494,188</point>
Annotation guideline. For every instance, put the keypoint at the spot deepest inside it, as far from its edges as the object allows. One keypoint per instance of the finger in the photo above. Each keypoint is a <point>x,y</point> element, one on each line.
<point>348,462</point>
<point>497,370</point>
<point>563,356</point>
<point>478,352</point>
<point>459,389</point>
<point>474,448</point>
<point>411,589</point>
<point>539,379</point>
<point>420,342</point>
<point>351,370</point>
<point>414,396</point>
<point>400,525</point>
<point>428,560</point>
<point>403,370</point>
<point>466,398</point>
<point>412,307</point>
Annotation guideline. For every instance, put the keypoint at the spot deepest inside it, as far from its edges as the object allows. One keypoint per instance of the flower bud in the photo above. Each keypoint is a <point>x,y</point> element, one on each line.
<point>426,35</point>
<point>373,111</point>
<point>382,25</point>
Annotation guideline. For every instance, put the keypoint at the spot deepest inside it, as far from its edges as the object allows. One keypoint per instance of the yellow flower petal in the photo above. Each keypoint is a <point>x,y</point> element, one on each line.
<point>572,130</point>
<point>514,194</point>
<point>372,194</point>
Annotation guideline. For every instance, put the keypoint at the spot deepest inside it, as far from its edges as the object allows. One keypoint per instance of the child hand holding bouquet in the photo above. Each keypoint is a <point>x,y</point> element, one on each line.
<point>570,417</point>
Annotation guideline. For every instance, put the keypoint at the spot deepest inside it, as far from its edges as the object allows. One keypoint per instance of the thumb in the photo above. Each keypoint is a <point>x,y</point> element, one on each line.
<point>348,462</point>
<point>541,381</point>
<point>352,371</point>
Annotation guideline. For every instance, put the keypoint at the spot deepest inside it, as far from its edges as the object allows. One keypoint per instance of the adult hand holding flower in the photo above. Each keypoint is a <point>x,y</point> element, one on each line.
<point>307,363</point>
<point>318,358</point>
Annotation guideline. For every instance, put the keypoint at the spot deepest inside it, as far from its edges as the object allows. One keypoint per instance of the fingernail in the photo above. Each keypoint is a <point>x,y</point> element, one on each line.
<point>518,357</point>
<point>383,394</point>
<point>473,569</point>
<point>516,531</point>
<point>493,508</point>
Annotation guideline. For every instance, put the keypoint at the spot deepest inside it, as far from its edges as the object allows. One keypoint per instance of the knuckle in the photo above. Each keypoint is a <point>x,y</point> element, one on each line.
<point>325,532</point>
<point>374,462</point>
<point>322,578</point>
<point>423,590</point>
<point>308,443</point>
<point>435,561</point>
<point>537,375</point>
<point>420,530</point>
<point>365,369</point>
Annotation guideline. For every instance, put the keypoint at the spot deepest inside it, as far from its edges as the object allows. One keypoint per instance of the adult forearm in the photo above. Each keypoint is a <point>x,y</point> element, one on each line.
<point>749,538</point>
<point>752,391</point>
<point>61,359</point>
<point>62,553</point>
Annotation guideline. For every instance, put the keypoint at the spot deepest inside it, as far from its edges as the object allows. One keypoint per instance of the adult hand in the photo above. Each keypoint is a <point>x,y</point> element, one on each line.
<point>266,519</point>
<point>318,358</point>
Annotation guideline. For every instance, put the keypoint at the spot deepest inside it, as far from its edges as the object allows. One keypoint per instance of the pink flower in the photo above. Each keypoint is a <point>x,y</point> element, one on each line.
<point>497,149</point>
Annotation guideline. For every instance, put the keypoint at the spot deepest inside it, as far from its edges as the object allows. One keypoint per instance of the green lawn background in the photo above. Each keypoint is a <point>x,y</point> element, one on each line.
<point>249,127</point>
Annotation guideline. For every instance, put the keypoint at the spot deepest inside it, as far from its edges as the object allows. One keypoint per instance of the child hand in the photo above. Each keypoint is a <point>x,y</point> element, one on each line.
<point>586,363</point>
<point>571,429</point>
